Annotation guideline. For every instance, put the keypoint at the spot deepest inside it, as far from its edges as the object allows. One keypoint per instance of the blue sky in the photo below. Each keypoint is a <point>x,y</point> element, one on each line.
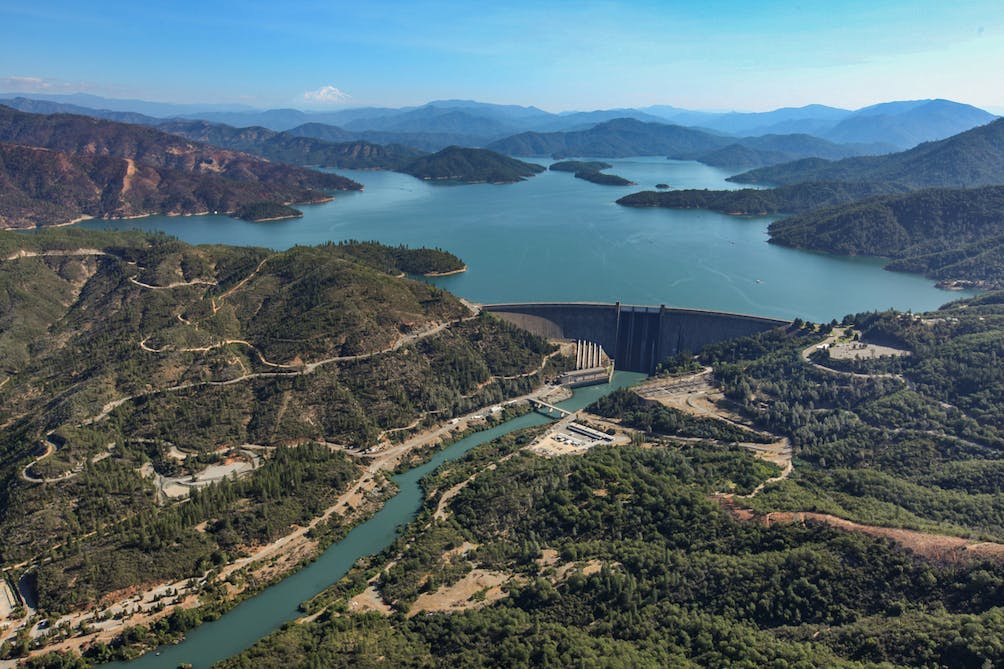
<point>711,54</point>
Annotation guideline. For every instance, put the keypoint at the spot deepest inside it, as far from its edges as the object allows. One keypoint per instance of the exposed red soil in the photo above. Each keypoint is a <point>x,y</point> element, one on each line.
<point>936,547</point>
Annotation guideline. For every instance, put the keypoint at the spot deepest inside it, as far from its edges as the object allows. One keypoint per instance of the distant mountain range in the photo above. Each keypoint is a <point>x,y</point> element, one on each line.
<point>972,158</point>
<point>118,162</point>
<point>901,124</point>
<point>334,146</point>
<point>440,123</point>
<point>295,149</point>
<point>55,168</point>
<point>629,137</point>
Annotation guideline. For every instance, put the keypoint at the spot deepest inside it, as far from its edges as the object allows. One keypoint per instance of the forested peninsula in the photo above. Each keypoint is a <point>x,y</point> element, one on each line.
<point>756,202</point>
<point>956,236</point>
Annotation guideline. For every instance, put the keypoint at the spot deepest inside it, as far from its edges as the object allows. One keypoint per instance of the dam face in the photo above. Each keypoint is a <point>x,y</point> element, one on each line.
<point>636,337</point>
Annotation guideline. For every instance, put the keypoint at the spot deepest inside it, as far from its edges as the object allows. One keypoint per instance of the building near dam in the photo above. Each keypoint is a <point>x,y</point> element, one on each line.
<point>636,337</point>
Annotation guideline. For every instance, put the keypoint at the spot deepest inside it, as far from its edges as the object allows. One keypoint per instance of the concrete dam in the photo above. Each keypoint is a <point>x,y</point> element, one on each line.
<point>636,337</point>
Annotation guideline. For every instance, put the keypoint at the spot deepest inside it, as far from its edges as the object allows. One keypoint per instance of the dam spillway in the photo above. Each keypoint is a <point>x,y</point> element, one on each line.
<point>637,337</point>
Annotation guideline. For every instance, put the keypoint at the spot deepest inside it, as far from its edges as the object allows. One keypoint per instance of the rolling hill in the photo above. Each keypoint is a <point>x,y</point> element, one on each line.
<point>295,149</point>
<point>612,139</point>
<point>909,123</point>
<point>59,167</point>
<point>625,137</point>
<point>954,235</point>
<point>969,159</point>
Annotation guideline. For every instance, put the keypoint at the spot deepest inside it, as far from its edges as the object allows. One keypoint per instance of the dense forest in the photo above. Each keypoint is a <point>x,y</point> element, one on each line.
<point>910,441</point>
<point>395,259</point>
<point>624,557</point>
<point>748,201</point>
<point>256,212</point>
<point>944,233</point>
<point>628,555</point>
<point>131,363</point>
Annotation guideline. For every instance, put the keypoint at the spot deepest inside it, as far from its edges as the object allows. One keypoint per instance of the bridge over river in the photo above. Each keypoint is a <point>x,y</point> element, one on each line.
<point>637,337</point>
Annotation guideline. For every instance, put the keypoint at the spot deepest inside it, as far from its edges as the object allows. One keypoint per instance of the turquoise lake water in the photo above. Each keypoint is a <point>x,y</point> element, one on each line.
<point>558,238</point>
<point>550,238</point>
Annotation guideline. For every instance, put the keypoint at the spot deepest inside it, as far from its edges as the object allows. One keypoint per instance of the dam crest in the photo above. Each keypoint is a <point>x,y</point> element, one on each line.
<point>637,337</point>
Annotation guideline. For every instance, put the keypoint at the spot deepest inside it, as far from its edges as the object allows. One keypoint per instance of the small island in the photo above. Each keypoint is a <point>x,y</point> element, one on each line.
<point>590,171</point>
<point>662,186</point>
<point>456,164</point>
<point>579,166</point>
<point>604,179</point>
<point>261,212</point>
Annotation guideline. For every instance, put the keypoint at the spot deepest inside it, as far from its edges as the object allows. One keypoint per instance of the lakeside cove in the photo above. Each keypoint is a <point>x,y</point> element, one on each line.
<point>553,238</point>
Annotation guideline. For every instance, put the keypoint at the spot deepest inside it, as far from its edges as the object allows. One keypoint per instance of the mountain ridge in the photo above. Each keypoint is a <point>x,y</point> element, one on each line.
<point>899,123</point>
<point>969,159</point>
<point>58,168</point>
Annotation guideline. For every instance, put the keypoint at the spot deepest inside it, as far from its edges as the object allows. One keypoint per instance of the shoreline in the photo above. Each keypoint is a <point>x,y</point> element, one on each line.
<point>449,273</point>
<point>79,219</point>
<point>273,218</point>
<point>87,217</point>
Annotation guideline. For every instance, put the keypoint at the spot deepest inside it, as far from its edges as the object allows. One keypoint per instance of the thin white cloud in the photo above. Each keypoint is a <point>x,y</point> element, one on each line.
<point>19,84</point>
<point>329,95</point>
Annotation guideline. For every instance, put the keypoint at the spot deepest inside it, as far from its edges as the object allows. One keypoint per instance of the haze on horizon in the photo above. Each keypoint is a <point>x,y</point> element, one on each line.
<point>588,54</point>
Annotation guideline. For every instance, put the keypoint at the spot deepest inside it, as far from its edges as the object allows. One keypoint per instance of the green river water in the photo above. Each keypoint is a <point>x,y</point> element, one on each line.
<point>267,611</point>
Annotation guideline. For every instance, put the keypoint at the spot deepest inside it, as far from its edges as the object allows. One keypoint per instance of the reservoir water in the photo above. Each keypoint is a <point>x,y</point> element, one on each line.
<point>557,238</point>
<point>241,627</point>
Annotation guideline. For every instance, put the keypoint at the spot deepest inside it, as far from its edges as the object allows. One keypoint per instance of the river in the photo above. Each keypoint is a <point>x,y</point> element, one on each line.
<point>255,618</point>
<point>557,238</point>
